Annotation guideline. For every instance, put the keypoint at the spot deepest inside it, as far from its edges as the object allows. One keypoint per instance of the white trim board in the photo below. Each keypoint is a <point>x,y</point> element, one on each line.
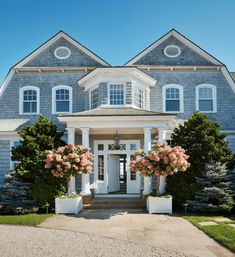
<point>183,40</point>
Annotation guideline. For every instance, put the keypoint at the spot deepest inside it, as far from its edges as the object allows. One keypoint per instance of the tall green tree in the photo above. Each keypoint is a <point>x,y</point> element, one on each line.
<point>203,142</point>
<point>43,135</point>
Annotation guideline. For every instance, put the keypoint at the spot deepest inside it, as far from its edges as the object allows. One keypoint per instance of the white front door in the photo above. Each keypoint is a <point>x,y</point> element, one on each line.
<point>133,178</point>
<point>113,168</point>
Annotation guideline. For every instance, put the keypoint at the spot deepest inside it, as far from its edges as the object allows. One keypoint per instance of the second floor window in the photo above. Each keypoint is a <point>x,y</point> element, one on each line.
<point>116,94</point>
<point>29,100</point>
<point>206,98</point>
<point>94,98</point>
<point>139,98</point>
<point>62,99</point>
<point>173,98</point>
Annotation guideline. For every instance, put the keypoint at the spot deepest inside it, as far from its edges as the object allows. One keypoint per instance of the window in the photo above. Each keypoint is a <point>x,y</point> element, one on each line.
<point>100,167</point>
<point>94,98</point>
<point>62,52</point>
<point>14,164</point>
<point>139,97</point>
<point>116,94</point>
<point>172,51</point>
<point>61,99</point>
<point>206,98</point>
<point>29,100</point>
<point>173,98</point>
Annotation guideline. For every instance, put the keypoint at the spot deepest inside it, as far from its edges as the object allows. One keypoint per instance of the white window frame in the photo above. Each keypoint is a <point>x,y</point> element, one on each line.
<point>181,99</point>
<point>137,87</point>
<point>12,162</point>
<point>172,56</point>
<point>124,89</point>
<point>93,88</point>
<point>59,57</point>
<point>54,89</point>
<point>214,97</point>
<point>21,100</point>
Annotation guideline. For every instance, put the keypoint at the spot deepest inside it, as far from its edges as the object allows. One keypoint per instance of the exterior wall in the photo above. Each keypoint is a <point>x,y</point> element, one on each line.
<point>231,143</point>
<point>76,59</point>
<point>187,56</point>
<point>225,115</point>
<point>103,93</point>
<point>4,159</point>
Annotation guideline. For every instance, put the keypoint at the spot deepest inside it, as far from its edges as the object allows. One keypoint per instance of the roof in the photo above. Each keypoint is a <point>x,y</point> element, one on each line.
<point>182,39</point>
<point>11,124</point>
<point>98,112</point>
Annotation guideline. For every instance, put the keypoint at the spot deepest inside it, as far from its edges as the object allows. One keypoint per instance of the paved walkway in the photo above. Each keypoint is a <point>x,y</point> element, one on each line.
<point>168,232</point>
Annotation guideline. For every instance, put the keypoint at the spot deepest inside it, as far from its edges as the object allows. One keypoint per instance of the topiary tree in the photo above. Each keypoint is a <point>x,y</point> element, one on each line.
<point>203,142</point>
<point>216,192</point>
<point>43,135</point>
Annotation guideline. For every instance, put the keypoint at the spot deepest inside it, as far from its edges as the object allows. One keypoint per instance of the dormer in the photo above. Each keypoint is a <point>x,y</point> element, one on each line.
<point>118,87</point>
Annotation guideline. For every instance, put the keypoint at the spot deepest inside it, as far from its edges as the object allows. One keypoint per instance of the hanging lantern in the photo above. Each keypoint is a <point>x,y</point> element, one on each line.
<point>116,140</point>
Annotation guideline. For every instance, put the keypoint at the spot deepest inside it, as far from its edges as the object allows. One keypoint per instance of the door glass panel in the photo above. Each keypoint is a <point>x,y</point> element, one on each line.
<point>100,167</point>
<point>133,147</point>
<point>100,147</point>
<point>133,174</point>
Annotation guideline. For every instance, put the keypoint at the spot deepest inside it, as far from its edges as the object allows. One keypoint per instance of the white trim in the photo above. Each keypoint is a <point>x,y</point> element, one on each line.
<point>6,82</point>
<point>181,99</point>
<point>54,39</point>
<point>228,77</point>
<point>172,56</point>
<point>21,100</point>
<point>54,89</point>
<point>214,97</point>
<point>182,39</point>
<point>59,48</point>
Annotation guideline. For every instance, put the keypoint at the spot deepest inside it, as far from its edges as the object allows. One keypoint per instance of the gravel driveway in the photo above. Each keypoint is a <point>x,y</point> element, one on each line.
<point>19,241</point>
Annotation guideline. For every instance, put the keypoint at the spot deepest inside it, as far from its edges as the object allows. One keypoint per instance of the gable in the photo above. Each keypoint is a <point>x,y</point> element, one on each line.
<point>44,56</point>
<point>190,53</point>
<point>187,56</point>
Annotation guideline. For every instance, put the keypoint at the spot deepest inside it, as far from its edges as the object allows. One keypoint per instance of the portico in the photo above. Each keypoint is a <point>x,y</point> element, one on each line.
<point>97,128</point>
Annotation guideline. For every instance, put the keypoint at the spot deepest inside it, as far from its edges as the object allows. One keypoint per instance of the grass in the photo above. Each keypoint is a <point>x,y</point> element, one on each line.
<point>222,233</point>
<point>26,220</point>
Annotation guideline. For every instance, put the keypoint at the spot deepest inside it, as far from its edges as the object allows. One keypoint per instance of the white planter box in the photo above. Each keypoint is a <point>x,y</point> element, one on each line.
<point>159,204</point>
<point>68,205</point>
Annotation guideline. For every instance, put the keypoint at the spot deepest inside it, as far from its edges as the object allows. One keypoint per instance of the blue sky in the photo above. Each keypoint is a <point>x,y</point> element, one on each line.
<point>115,29</point>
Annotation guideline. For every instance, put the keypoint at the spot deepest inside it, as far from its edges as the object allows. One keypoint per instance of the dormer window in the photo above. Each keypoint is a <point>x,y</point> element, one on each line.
<point>61,99</point>
<point>116,94</point>
<point>139,97</point>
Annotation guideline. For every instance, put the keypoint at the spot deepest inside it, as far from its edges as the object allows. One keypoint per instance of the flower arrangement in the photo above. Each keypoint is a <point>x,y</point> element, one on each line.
<point>162,160</point>
<point>69,160</point>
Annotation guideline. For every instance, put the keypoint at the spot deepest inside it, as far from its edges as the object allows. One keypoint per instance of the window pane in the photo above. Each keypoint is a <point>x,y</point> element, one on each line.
<point>94,98</point>
<point>116,94</point>
<point>172,93</point>
<point>62,106</point>
<point>26,107</point>
<point>29,101</point>
<point>205,93</point>
<point>62,94</point>
<point>172,105</point>
<point>205,105</point>
<point>100,147</point>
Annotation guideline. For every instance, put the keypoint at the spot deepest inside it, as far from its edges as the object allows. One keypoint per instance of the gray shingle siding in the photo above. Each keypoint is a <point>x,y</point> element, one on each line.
<point>77,58</point>
<point>225,115</point>
<point>187,56</point>
<point>4,159</point>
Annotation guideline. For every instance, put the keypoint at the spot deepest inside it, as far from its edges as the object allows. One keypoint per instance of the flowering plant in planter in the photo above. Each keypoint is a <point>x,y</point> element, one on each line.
<point>162,160</point>
<point>69,160</point>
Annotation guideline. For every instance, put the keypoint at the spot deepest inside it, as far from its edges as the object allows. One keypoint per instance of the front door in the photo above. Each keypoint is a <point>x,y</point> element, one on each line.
<point>113,168</point>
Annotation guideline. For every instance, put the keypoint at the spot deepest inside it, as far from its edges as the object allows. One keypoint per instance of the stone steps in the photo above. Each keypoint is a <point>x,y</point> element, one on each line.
<point>116,203</point>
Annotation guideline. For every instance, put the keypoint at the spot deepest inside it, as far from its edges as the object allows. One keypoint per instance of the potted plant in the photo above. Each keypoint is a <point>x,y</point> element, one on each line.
<point>67,162</point>
<point>161,161</point>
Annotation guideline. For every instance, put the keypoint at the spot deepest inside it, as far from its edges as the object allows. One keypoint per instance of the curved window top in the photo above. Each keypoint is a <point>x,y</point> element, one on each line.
<point>62,52</point>
<point>29,100</point>
<point>172,51</point>
<point>206,98</point>
<point>61,99</point>
<point>173,98</point>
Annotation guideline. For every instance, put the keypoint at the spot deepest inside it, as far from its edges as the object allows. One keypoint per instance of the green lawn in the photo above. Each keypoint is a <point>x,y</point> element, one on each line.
<point>222,233</point>
<point>26,220</point>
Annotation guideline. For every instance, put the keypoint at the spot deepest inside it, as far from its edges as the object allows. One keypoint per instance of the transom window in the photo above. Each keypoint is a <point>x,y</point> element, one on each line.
<point>94,98</point>
<point>173,98</point>
<point>29,100</point>
<point>62,99</point>
<point>116,94</point>
<point>206,98</point>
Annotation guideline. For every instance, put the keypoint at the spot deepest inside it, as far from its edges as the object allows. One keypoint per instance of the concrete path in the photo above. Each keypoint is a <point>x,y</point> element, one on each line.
<point>168,232</point>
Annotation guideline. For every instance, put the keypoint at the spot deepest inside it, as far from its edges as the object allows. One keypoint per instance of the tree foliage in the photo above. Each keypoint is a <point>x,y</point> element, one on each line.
<point>43,135</point>
<point>203,142</point>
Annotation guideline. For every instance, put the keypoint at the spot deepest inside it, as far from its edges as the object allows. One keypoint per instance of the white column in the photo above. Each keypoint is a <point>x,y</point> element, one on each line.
<point>162,139</point>
<point>71,140</point>
<point>85,177</point>
<point>147,147</point>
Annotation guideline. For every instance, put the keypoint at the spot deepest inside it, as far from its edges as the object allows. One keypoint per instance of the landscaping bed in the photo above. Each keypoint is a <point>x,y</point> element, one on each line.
<point>26,220</point>
<point>219,228</point>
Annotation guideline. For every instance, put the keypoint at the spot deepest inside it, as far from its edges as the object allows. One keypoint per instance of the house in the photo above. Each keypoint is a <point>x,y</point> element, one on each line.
<point>114,110</point>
